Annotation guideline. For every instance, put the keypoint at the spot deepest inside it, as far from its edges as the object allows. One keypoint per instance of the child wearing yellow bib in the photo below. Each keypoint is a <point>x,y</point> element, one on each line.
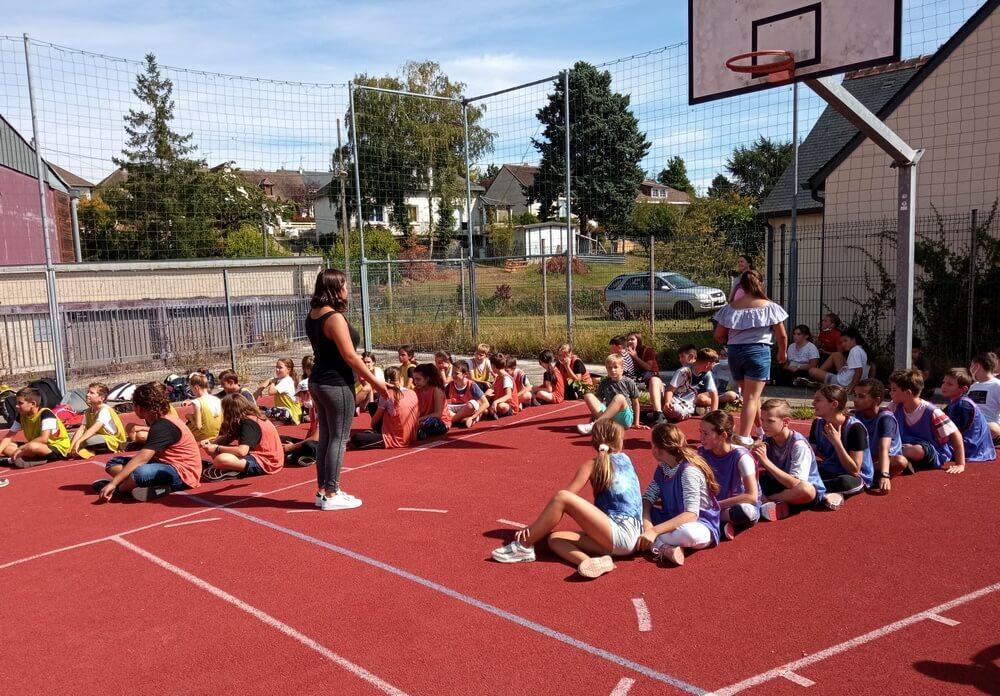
<point>45,435</point>
<point>282,387</point>
<point>206,418</point>
<point>102,430</point>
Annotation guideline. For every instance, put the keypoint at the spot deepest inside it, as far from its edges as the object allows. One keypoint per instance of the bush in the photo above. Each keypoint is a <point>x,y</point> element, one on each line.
<point>502,239</point>
<point>557,264</point>
<point>246,242</point>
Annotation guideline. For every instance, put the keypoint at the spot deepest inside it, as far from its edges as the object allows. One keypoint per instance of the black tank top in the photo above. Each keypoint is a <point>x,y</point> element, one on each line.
<point>330,367</point>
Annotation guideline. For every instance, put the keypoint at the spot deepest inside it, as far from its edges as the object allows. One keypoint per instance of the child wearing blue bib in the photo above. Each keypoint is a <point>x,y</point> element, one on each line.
<point>735,471</point>
<point>883,434</point>
<point>930,439</point>
<point>841,443</point>
<point>679,507</point>
<point>967,417</point>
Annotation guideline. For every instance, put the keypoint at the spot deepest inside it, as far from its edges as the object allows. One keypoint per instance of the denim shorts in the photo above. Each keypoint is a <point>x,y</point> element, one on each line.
<point>750,361</point>
<point>252,468</point>
<point>158,474</point>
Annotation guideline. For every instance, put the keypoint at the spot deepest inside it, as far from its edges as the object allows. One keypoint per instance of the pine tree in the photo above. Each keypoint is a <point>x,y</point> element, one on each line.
<point>675,175</point>
<point>756,169</point>
<point>606,147</point>
<point>721,186</point>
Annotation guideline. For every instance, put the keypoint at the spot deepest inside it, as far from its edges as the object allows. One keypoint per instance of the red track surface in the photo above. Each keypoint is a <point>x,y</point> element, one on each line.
<point>253,598</point>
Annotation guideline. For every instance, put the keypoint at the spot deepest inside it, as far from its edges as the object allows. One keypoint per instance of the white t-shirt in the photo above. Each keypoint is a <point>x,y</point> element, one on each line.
<point>285,385</point>
<point>857,359</point>
<point>800,357</point>
<point>303,385</point>
<point>48,425</point>
<point>687,385</point>
<point>801,459</point>
<point>746,465</point>
<point>104,418</point>
<point>986,395</point>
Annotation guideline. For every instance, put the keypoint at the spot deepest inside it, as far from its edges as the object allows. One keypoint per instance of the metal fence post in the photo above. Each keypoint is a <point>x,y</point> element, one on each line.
<point>569,215</point>
<point>342,175</point>
<point>75,217</point>
<point>970,313</point>
<point>652,290</point>
<point>365,309</point>
<point>461,280</point>
<point>58,355</point>
<point>545,290</point>
<point>229,319</point>
<point>388,274</point>
<point>473,307</point>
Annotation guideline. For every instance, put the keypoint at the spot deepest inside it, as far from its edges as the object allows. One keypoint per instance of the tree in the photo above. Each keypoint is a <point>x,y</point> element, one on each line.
<point>721,186</point>
<point>658,219</point>
<point>675,176</point>
<point>408,144</point>
<point>756,169</point>
<point>606,148</point>
<point>246,241</point>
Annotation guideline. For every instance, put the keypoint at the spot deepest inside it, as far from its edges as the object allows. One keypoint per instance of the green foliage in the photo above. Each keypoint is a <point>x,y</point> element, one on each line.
<point>756,169</point>
<point>246,241</point>
<point>675,175</point>
<point>525,218</point>
<point>721,186</point>
<point>379,244</point>
<point>658,219</point>
<point>607,147</point>
<point>502,239</point>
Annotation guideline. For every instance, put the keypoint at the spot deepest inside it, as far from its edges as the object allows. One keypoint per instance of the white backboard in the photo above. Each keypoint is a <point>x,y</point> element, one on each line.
<point>826,36</point>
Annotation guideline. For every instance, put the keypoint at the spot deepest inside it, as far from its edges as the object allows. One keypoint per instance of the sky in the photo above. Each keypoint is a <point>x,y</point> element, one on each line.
<point>262,123</point>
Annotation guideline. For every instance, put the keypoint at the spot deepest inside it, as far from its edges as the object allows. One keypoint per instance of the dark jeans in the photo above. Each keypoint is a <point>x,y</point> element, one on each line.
<point>334,411</point>
<point>368,439</point>
<point>842,483</point>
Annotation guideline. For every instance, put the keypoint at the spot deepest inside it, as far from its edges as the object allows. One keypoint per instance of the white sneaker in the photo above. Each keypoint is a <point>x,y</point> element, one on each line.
<point>146,494</point>
<point>339,501</point>
<point>514,552</point>
<point>743,440</point>
<point>584,429</point>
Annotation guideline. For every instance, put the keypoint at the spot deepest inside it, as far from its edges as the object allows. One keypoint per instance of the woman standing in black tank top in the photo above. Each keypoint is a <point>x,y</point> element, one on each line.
<point>331,384</point>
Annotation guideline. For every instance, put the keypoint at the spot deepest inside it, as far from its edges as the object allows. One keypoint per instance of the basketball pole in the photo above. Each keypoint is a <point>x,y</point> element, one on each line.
<point>905,160</point>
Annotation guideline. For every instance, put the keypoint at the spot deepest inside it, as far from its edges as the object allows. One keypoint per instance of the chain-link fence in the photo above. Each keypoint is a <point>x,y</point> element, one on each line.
<point>461,219</point>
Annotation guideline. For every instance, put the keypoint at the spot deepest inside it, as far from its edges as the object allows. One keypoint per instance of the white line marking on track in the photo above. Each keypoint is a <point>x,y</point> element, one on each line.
<point>642,614</point>
<point>486,607</point>
<point>853,642</point>
<point>266,618</point>
<point>797,679</point>
<point>512,523</point>
<point>943,619</point>
<point>199,521</point>
<point>621,689</point>
<point>420,510</point>
<point>40,468</point>
<point>293,512</point>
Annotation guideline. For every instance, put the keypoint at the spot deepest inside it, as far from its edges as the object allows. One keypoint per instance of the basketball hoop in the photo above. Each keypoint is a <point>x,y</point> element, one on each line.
<point>781,70</point>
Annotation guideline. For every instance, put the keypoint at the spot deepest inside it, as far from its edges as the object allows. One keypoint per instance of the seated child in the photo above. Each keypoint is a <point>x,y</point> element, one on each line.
<point>574,373</point>
<point>618,345</point>
<point>616,397</point>
<point>466,400</point>
<point>967,417</point>
<point>443,362</point>
<point>46,439</point>
<point>684,486</point>
<point>522,385</point>
<point>504,401</point>
<point>692,387</point>
<point>930,439</point>
<point>364,395</point>
<point>729,390</point>
<point>803,355</point>
<point>734,469</point>
<point>406,365</point>
<point>883,433</point>
<point>206,416</point>
<point>302,452</point>
<point>480,369</point>
<point>829,334</point>
<point>841,444</point>
<point>248,444</point>
<point>282,387</point>
<point>169,460</point>
<point>102,430</point>
<point>394,423</point>
<point>230,383</point>
<point>643,358</point>
<point>552,390</point>
<point>844,372</point>
<point>610,525</point>
<point>433,412</point>
<point>791,475</point>
<point>686,356</point>
<point>137,433</point>
<point>302,394</point>
<point>985,393</point>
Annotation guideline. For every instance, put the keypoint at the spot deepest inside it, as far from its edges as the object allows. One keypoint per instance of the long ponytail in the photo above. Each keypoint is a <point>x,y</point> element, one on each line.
<point>670,438</point>
<point>607,437</point>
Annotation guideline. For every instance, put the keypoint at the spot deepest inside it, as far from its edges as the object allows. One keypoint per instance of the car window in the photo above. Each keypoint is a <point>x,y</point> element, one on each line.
<point>679,281</point>
<point>637,283</point>
<point>616,283</point>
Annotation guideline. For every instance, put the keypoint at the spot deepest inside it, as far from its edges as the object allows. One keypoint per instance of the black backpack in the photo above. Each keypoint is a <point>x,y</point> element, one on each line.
<point>8,407</point>
<point>47,387</point>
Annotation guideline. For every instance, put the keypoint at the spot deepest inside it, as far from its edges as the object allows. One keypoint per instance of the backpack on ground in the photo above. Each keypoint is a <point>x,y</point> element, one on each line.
<point>8,405</point>
<point>68,416</point>
<point>47,387</point>
<point>121,392</point>
<point>76,399</point>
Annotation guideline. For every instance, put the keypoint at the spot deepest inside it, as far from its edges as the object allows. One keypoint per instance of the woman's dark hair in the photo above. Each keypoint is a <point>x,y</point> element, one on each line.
<point>748,259</point>
<point>804,330</point>
<point>752,284</point>
<point>430,373</point>
<point>327,293</point>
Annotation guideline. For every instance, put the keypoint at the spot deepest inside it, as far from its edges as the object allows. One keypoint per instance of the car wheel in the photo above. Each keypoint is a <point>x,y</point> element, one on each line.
<point>618,312</point>
<point>684,310</point>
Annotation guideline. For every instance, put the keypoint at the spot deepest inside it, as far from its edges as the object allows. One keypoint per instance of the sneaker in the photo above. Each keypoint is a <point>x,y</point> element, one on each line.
<point>595,567</point>
<point>5,461</point>
<point>144,495</point>
<point>319,500</point>
<point>514,552</point>
<point>307,461</point>
<point>743,440</point>
<point>728,531</point>
<point>213,474</point>
<point>584,429</point>
<point>99,484</point>
<point>22,463</point>
<point>805,383</point>
<point>339,501</point>
<point>669,555</point>
<point>833,501</point>
<point>4,483</point>
<point>700,410</point>
<point>772,512</point>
